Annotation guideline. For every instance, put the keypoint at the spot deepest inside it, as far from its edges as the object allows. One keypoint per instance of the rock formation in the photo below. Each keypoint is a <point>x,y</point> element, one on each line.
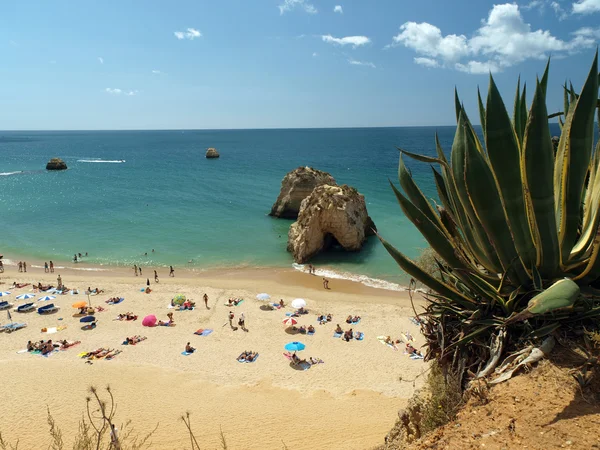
<point>295,187</point>
<point>331,215</point>
<point>212,153</point>
<point>56,164</point>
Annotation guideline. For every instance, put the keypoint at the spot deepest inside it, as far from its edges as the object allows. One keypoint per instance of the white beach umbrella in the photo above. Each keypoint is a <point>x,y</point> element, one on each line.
<point>25,296</point>
<point>2,294</point>
<point>263,296</point>
<point>46,298</point>
<point>299,303</point>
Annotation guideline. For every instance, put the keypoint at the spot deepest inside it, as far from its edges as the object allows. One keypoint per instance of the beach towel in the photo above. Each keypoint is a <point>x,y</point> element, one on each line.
<point>20,352</point>
<point>356,321</point>
<point>111,356</point>
<point>382,340</point>
<point>249,362</point>
<point>360,337</point>
<point>415,356</point>
<point>115,302</point>
<point>415,321</point>
<point>186,353</point>
<point>203,332</point>
<point>337,335</point>
<point>276,305</point>
<point>166,324</point>
<point>310,333</point>
<point>239,303</point>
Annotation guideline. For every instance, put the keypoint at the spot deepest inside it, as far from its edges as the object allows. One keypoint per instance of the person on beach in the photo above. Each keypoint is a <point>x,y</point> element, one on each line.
<point>325,283</point>
<point>155,277</point>
<point>135,270</point>
<point>189,348</point>
<point>46,267</point>
<point>281,303</point>
<point>171,271</point>
<point>242,321</point>
<point>51,267</point>
<point>338,329</point>
<point>80,255</point>
<point>206,301</point>
<point>231,316</point>
<point>20,265</point>
<point>148,282</point>
<point>74,258</point>
<point>59,282</point>
<point>140,269</point>
<point>24,266</point>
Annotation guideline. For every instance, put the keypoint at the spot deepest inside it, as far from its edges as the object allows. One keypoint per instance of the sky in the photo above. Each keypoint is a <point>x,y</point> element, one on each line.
<point>208,64</point>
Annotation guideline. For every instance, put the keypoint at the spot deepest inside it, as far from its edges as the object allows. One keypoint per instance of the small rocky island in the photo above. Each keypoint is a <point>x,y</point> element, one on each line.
<point>328,215</point>
<point>56,164</point>
<point>212,153</point>
<point>295,187</point>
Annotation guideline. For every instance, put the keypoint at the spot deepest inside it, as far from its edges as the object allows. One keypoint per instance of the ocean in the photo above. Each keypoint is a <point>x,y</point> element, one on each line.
<point>129,192</point>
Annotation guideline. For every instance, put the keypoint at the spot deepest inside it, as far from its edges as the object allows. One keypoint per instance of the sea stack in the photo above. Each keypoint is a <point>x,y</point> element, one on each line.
<point>56,164</point>
<point>295,187</point>
<point>212,153</point>
<point>330,216</point>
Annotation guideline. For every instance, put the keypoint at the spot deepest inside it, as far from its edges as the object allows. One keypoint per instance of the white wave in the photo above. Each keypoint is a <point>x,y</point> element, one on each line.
<point>5,174</point>
<point>116,161</point>
<point>89,269</point>
<point>367,281</point>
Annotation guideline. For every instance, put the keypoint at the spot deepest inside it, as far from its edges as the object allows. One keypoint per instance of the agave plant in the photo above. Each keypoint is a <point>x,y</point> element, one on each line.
<point>517,231</point>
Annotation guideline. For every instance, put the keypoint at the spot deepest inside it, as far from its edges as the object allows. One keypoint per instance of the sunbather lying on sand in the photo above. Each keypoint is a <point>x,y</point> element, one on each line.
<point>113,300</point>
<point>64,344</point>
<point>19,285</point>
<point>39,287</point>
<point>322,319</point>
<point>351,319</point>
<point>233,301</point>
<point>135,339</point>
<point>247,356</point>
<point>297,360</point>
<point>314,361</point>
<point>302,311</point>
<point>188,304</point>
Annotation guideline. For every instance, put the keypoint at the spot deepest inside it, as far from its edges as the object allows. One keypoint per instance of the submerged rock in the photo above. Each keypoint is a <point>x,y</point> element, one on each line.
<point>331,215</point>
<point>212,153</point>
<point>56,164</point>
<point>295,187</point>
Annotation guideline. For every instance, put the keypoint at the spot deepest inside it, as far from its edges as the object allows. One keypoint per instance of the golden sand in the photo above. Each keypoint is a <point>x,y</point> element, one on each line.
<point>349,402</point>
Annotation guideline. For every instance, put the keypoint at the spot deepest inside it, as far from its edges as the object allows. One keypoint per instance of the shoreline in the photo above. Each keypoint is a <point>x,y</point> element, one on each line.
<point>195,271</point>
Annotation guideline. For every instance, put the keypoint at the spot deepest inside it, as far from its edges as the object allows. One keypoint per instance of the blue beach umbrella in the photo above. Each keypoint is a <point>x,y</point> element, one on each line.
<point>25,296</point>
<point>87,319</point>
<point>46,298</point>
<point>2,294</point>
<point>263,296</point>
<point>295,346</point>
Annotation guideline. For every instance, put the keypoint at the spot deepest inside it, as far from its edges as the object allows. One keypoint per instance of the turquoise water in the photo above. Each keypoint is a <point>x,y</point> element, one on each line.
<point>167,196</point>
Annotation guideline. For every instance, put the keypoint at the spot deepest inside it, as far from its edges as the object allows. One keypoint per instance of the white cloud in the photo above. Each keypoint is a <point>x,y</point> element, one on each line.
<point>117,91</point>
<point>156,72</point>
<point>504,39</point>
<point>354,62</point>
<point>289,5</point>
<point>542,5</point>
<point>100,59</point>
<point>355,41</point>
<point>427,62</point>
<point>338,9</point>
<point>586,6</point>
<point>315,54</point>
<point>189,33</point>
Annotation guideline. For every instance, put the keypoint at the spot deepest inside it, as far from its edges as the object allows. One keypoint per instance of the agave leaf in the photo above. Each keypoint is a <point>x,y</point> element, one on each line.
<point>482,113</point>
<point>485,199</point>
<point>415,195</point>
<point>457,105</point>
<point>545,330</point>
<point>481,246</point>
<point>422,158</point>
<point>566,101</point>
<point>561,294</point>
<point>577,150</point>
<point>517,113</point>
<point>537,165</point>
<point>544,80</point>
<point>504,157</point>
<point>523,114</point>
<point>469,337</point>
<point>415,271</point>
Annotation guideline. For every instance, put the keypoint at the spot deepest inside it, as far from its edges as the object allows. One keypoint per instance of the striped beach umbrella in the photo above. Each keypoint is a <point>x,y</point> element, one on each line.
<point>2,294</point>
<point>289,321</point>
<point>25,296</point>
<point>46,298</point>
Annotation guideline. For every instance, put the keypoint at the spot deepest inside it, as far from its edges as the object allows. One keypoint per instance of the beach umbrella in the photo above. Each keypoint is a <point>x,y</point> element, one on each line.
<point>149,321</point>
<point>289,321</point>
<point>299,303</point>
<point>25,296</point>
<point>179,299</point>
<point>2,294</point>
<point>263,296</point>
<point>295,346</point>
<point>79,305</point>
<point>87,319</point>
<point>46,298</point>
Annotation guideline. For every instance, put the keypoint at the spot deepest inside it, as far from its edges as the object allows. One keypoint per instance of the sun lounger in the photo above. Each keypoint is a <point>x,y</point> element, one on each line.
<point>48,309</point>
<point>9,328</point>
<point>5,305</point>
<point>26,307</point>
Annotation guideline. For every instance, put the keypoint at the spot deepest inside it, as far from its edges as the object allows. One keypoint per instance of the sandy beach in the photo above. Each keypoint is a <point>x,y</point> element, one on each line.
<point>348,402</point>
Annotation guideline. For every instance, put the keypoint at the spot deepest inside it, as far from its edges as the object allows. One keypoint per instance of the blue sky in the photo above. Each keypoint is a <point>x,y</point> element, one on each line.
<point>146,64</point>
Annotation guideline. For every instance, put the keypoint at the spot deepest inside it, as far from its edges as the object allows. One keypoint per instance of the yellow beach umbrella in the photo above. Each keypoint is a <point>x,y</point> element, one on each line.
<point>79,305</point>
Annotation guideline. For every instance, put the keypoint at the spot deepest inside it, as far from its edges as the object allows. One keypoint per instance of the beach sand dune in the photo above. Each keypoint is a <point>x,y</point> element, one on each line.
<point>348,402</point>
